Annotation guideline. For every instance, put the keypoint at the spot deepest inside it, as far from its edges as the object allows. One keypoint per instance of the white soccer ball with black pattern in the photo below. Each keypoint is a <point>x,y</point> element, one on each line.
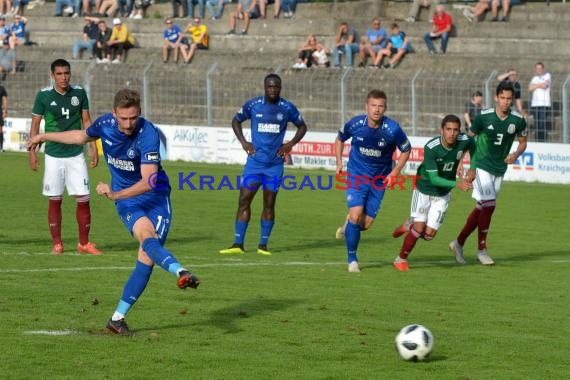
<point>414,342</point>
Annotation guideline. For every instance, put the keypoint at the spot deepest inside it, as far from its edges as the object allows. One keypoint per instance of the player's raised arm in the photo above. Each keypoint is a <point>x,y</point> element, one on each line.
<point>76,137</point>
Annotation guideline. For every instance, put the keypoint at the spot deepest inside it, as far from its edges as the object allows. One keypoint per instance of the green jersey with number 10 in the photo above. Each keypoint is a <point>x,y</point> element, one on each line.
<point>61,112</point>
<point>495,138</point>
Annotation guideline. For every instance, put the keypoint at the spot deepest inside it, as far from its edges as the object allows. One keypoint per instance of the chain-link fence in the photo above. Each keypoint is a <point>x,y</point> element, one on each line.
<point>210,95</point>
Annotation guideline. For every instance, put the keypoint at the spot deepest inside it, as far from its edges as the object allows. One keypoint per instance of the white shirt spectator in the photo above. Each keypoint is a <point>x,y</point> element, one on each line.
<point>541,96</point>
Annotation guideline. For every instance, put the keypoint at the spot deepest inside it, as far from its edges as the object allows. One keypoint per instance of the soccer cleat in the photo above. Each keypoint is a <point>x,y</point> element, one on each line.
<point>404,228</point>
<point>235,249</point>
<point>401,264</point>
<point>88,248</point>
<point>353,267</point>
<point>484,257</point>
<point>57,249</point>
<point>457,250</point>
<point>340,232</point>
<point>262,250</point>
<point>119,327</point>
<point>187,279</point>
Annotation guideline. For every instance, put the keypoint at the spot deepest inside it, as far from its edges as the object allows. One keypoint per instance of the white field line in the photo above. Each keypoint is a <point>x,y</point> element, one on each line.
<point>50,332</point>
<point>364,264</point>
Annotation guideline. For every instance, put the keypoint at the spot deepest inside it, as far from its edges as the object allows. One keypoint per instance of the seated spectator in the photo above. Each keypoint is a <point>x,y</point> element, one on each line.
<point>90,7</point>
<point>201,8</point>
<point>7,60</point>
<point>126,8</point>
<point>263,7</point>
<point>18,33</point>
<point>108,8</point>
<point>172,37</point>
<point>476,12</point>
<point>442,24</point>
<point>216,14</point>
<point>413,15</point>
<point>346,42</point>
<point>5,7</point>
<point>88,38</point>
<point>398,47</point>
<point>247,10</point>
<point>289,7</point>
<point>473,108</point>
<point>176,5</point>
<point>374,41</point>
<point>495,5</point>
<point>121,40</point>
<point>310,53</point>
<point>4,30</point>
<point>101,49</point>
<point>141,7</point>
<point>199,39</point>
<point>18,7</point>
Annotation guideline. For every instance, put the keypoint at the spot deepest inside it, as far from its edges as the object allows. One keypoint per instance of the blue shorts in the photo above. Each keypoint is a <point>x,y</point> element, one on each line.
<point>155,206</point>
<point>367,196</point>
<point>268,175</point>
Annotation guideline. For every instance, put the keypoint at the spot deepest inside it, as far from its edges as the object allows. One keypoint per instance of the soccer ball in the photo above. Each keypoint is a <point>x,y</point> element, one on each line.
<point>414,342</point>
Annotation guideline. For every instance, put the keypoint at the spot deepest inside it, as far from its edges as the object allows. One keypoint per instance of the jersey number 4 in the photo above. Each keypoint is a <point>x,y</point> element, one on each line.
<point>65,112</point>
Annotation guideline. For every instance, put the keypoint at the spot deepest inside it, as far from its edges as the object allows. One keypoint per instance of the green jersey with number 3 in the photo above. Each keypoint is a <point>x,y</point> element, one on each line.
<point>495,138</point>
<point>61,112</point>
<point>443,160</point>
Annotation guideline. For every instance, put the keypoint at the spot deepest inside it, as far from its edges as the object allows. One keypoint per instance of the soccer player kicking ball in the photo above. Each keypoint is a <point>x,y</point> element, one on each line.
<point>496,129</point>
<point>269,114</point>
<point>139,188</point>
<point>437,176</point>
<point>375,137</point>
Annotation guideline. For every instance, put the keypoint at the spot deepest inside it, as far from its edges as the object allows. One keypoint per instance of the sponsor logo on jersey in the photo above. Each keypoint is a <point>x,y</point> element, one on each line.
<point>511,129</point>
<point>370,152</point>
<point>490,127</point>
<point>53,103</point>
<point>121,164</point>
<point>152,156</point>
<point>258,115</point>
<point>108,142</point>
<point>360,139</point>
<point>74,101</point>
<point>268,128</point>
<point>382,143</point>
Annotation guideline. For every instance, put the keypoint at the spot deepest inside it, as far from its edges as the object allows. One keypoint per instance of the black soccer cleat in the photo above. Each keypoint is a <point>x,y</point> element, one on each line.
<point>187,279</point>
<point>119,327</point>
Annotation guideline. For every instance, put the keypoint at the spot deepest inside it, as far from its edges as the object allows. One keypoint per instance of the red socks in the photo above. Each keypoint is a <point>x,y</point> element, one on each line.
<point>83,216</point>
<point>54,219</point>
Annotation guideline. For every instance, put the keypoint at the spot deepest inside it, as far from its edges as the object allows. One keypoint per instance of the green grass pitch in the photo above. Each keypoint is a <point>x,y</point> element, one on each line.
<point>297,314</point>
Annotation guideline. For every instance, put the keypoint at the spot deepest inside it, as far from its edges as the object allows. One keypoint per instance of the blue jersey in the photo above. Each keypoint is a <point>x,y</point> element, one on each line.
<point>125,154</point>
<point>375,34</point>
<point>18,29</point>
<point>268,125</point>
<point>171,34</point>
<point>372,148</point>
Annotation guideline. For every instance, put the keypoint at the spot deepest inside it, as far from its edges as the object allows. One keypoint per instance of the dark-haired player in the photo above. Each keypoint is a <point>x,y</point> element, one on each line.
<point>496,129</point>
<point>269,115</point>
<point>437,176</point>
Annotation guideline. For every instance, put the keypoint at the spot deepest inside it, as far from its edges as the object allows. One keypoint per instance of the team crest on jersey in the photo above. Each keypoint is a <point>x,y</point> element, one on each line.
<point>459,154</point>
<point>129,216</point>
<point>131,153</point>
<point>74,101</point>
<point>280,116</point>
<point>511,129</point>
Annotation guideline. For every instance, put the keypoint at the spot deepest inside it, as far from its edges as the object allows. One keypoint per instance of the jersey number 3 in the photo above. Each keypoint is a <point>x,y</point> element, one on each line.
<point>499,139</point>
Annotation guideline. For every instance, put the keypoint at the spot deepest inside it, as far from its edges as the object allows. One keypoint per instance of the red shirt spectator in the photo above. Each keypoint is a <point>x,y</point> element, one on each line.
<point>442,22</point>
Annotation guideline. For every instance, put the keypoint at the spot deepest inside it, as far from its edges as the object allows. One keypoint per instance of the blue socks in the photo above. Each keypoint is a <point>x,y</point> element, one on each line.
<point>266,227</point>
<point>352,237</point>
<point>240,228</point>
<point>161,256</point>
<point>134,287</point>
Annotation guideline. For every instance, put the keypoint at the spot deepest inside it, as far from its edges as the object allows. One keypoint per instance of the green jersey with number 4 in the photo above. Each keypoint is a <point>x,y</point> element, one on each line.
<point>61,112</point>
<point>495,138</point>
<point>444,161</point>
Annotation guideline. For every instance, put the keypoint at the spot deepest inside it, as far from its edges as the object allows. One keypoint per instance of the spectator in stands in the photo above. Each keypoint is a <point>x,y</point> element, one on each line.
<point>413,15</point>
<point>4,30</point>
<point>18,33</point>
<point>482,6</point>
<point>375,40</point>
<point>398,46</point>
<point>512,76</point>
<point>5,7</point>
<point>7,60</point>
<point>472,108</point>
<point>3,114</point>
<point>201,8</point>
<point>442,24</point>
<point>176,5</point>
<point>121,40</point>
<point>64,8</point>
<point>199,39</point>
<point>90,7</point>
<point>309,53</point>
<point>216,14</point>
<point>126,8</point>
<point>247,10</point>
<point>88,39</point>
<point>541,105</point>
<point>141,7</point>
<point>347,42</point>
<point>108,8</point>
<point>101,49</point>
<point>172,40</point>
<point>263,7</point>
<point>289,7</point>
<point>17,7</point>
